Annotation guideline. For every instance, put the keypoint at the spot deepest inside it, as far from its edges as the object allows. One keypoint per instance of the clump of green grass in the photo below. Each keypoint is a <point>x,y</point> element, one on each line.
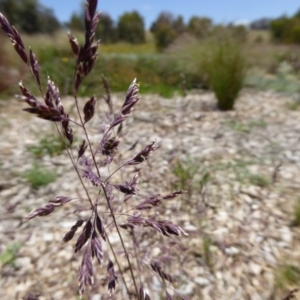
<point>189,176</point>
<point>185,172</point>
<point>247,127</point>
<point>293,105</point>
<point>238,126</point>
<point>164,90</point>
<point>206,244</point>
<point>37,176</point>
<point>9,255</point>
<point>296,213</point>
<point>259,180</point>
<point>258,123</point>
<point>49,144</point>
<point>241,169</point>
<point>288,275</point>
<point>225,67</point>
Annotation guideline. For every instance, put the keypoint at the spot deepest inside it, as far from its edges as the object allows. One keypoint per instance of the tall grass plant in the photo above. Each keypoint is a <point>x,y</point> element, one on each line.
<point>113,230</point>
<point>225,66</point>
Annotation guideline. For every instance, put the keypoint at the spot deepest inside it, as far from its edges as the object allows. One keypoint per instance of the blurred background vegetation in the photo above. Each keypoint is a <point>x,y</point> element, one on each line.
<point>173,56</point>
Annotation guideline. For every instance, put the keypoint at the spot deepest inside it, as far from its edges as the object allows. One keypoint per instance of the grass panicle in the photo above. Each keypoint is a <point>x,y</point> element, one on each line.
<point>92,235</point>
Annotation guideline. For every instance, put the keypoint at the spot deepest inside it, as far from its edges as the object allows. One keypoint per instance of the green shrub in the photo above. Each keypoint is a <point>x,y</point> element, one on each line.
<point>239,33</point>
<point>225,66</point>
<point>155,72</point>
<point>200,27</point>
<point>295,34</point>
<point>286,30</point>
<point>188,55</point>
<point>279,28</point>
<point>164,36</point>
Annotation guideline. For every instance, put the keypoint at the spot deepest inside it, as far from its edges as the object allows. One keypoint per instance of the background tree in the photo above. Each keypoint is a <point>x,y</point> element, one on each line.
<point>77,19</point>
<point>295,28</point>
<point>30,16</point>
<point>11,9</point>
<point>178,25</point>
<point>166,29</point>
<point>29,21</point>
<point>261,24</point>
<point>107,31</point>
<point>76,22</point>
<point>293,33</point>
<point>286,30</point>
<point>131,28</point>
<point>47,20</point>
<point>279,28</point>
<point>237,32</point>
<point>297,14</point>
<point>200,26</point>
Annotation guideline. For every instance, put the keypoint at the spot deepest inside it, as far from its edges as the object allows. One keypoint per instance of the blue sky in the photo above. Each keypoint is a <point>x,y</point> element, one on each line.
<point>218,10</point>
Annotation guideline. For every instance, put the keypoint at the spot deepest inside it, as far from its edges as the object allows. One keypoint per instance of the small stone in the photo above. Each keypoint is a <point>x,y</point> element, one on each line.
<point>48,237</point>
<point>96,297</point>
<point>232,251</point>
<point>255,268</point>
<point>286,234</point>
<point>190,227</point>
<point>187,289</point>
<point>202,281</point>
<point>23,262</point>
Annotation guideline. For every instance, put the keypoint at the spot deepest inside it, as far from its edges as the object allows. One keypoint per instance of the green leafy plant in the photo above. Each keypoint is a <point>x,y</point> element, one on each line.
<point>288,275</point>
<point>9,255</point>
<point>238,126</point>
<point>259,180</point>
<point>247,127</point>
<point>48,144</point>
<point>185,172</point>
<point>293,105</point>
<point>37,176</point>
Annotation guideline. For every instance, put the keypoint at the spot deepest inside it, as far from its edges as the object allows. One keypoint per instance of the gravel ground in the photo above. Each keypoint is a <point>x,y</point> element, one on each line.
<point>241,171</point>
